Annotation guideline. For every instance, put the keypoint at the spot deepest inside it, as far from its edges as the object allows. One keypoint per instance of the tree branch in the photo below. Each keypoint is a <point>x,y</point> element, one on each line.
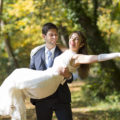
<point>1,8</point>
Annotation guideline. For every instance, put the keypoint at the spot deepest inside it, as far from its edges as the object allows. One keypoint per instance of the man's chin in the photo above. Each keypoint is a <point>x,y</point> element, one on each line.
<point>54,44</point>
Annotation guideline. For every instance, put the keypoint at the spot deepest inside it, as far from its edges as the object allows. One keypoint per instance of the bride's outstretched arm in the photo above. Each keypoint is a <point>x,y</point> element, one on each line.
<point>87,59</point>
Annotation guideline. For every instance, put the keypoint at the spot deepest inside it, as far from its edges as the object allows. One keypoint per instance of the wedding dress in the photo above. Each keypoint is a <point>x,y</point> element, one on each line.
<point>30,83</point>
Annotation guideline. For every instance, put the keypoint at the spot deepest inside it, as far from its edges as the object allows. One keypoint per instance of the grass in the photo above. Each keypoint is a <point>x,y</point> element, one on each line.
<point>83,109</point>
<point>88,109</point>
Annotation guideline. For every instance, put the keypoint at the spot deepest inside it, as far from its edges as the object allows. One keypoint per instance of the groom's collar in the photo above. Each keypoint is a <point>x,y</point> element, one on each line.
<point>52,50</point>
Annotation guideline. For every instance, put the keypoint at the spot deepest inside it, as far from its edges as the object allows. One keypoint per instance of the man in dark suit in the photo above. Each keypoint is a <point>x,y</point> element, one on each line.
<point>60,101</point>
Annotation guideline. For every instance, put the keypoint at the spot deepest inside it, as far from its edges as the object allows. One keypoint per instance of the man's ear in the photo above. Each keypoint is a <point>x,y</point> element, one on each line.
<point>43,35</point>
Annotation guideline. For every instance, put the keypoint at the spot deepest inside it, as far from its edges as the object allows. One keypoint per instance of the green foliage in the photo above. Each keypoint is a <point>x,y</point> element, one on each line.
<point>99,83</point>
<point>91,107</point>
<point>114,98</point>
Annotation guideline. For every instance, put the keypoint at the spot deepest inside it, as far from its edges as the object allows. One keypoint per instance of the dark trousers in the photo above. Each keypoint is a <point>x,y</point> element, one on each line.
<point>44,110</point>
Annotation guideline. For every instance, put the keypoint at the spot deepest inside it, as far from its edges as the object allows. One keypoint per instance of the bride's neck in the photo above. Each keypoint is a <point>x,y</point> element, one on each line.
<point>73,51</point>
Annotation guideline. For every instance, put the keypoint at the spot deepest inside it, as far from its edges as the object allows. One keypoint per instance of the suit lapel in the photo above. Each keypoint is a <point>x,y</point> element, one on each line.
<point>43,57</point>
<point>57,52</point>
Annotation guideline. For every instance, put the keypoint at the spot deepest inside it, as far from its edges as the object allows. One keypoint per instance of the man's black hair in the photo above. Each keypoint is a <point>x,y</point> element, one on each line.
<point>47,27</point>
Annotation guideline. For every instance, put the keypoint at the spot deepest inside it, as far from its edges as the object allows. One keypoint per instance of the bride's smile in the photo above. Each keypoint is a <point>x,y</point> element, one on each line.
<point>75,42</point>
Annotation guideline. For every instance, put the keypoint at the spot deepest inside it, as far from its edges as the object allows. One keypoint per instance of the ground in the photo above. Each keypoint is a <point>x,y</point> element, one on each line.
<point>80,108</point>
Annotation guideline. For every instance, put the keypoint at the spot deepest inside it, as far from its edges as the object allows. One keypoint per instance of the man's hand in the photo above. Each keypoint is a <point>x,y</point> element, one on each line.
<point>65,72</point>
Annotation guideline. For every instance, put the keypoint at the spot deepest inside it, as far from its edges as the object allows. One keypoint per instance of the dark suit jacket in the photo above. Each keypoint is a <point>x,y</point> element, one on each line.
<point>62,94</point>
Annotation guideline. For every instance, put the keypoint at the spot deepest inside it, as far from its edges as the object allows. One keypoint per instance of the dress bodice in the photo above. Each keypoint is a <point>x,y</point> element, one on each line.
<point>64,61</point>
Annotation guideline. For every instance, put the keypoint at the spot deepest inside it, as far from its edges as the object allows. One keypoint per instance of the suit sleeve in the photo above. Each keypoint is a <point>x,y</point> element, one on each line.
<point>74,77</point>
<point>70,80</point>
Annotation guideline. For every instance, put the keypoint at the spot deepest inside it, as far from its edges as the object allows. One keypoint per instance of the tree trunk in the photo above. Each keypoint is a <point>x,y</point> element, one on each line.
<point>10,51</point>
<point>63,35</point>
<point>7,39</point>
<point>1,7</point>
<point>95,3</point>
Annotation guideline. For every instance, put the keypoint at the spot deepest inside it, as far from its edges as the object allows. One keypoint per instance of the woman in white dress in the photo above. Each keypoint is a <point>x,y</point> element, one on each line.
<point>25,82</point>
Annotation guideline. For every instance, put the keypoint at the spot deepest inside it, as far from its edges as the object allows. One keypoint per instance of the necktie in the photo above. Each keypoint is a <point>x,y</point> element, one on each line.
<point>50,61</point>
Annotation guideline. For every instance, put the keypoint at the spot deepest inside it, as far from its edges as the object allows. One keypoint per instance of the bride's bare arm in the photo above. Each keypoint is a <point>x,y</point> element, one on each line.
<point>83,59</point>
<point>87,59</point>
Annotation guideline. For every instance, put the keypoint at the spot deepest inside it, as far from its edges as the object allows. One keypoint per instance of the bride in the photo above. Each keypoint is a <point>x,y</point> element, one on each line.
<point>23,82</point>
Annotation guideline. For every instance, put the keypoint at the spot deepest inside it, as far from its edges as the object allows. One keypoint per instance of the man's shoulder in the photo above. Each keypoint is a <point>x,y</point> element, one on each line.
<point>58,49</point>
<point>36,50</point>
<point>39,49</point>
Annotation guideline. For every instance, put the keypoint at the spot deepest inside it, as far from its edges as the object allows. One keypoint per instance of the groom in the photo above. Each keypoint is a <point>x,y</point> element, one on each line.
<point>60,101</point>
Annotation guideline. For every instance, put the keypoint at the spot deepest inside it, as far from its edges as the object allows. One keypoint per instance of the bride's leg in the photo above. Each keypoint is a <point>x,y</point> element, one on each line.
<point>27,78</point>
<point>18,109</point>
<point>17,113</point>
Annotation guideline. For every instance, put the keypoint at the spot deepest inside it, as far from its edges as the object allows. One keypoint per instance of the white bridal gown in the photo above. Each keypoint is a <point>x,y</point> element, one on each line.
<point>26,82</point>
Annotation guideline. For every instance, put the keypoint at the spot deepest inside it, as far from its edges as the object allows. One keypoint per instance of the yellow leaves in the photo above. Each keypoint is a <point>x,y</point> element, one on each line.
<point>20,23</point>
<point>51,18</point>
<point>108,26</point>
<point>22,8</point>
<point>33,35</point>
<point>104,10</point>
<point>47,8</point>
<point>111,30</point>
<point>32,29</point>
<point>105,24</point>
<point>116,2</point>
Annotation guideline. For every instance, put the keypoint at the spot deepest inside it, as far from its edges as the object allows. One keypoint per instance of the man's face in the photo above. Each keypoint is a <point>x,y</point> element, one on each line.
<point>51,37</point>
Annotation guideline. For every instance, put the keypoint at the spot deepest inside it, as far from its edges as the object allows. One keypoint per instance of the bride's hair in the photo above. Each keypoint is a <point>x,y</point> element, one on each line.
<point>83,70</point>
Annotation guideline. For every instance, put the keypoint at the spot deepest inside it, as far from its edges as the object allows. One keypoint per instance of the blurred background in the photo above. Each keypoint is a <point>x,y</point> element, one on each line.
<point>20,31</point>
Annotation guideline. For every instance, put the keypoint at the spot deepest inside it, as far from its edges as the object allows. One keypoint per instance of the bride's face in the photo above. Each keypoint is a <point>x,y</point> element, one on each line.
<point>75,42</point>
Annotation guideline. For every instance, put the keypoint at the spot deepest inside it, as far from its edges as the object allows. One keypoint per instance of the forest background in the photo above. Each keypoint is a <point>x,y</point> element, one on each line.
<point>20,31</point>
